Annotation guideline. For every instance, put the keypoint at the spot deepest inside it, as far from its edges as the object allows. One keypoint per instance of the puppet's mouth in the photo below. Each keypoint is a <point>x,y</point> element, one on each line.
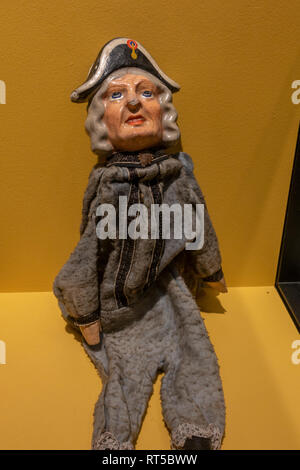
<point>135,120</point>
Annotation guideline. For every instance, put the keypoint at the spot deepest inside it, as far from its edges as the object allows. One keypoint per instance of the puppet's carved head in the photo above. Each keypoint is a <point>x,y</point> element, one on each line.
<point>129,100</point>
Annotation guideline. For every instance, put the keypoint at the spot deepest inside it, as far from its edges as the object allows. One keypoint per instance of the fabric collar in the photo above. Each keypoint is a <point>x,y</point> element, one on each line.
<point>139,159</point>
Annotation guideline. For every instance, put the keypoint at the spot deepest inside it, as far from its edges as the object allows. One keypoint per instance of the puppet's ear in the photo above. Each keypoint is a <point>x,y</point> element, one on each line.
<point>116,54</point>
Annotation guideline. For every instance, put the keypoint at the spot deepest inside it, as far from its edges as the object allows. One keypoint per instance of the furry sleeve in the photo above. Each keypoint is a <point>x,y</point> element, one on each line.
<point>76,285</point>
<point>207,261</point>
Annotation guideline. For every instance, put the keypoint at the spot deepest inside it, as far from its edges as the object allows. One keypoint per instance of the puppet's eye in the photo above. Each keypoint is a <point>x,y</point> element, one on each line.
<point>116,95</point>
<point>147,93</point>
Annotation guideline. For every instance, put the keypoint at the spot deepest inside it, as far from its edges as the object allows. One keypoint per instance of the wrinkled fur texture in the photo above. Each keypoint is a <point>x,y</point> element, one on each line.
<point>77,284</point>
<point>169,336</point>
<point>160,330</point>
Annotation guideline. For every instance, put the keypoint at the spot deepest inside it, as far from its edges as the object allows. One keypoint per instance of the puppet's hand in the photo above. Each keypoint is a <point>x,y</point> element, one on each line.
<point>218,285</point>
<point>91,333</point>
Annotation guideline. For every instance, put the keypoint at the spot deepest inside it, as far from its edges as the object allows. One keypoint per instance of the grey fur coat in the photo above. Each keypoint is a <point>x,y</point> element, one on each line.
<point>105,278</point>
<point>150,320</point>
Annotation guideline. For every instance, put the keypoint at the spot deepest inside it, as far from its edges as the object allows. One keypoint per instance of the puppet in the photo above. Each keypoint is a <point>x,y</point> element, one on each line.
<point>127,293</point>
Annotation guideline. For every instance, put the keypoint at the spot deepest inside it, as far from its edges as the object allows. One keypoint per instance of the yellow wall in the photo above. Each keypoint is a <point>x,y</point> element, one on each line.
<point>235,61</point>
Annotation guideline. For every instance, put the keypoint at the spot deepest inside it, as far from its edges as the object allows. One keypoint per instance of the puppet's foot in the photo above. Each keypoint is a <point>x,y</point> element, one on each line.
<point>107,441</point>
<point>189,436</point>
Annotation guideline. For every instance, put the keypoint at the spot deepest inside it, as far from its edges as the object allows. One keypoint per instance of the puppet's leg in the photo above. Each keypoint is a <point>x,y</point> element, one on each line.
<point>130,360</point>
<point>112,416</point>
<point>192,394</point>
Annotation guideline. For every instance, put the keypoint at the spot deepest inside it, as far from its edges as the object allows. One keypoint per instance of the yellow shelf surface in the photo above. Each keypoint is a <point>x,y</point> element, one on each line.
<point>49,386</point>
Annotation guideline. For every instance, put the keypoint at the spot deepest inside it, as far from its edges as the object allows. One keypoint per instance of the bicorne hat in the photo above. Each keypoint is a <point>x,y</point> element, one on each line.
<point>114,55</point>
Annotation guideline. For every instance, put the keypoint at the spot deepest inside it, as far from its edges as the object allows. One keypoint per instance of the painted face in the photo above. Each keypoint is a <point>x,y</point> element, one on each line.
<point>132,113</point>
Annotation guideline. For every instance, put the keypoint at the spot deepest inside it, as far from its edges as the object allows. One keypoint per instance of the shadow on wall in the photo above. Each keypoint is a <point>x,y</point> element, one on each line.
<point>208,301</point>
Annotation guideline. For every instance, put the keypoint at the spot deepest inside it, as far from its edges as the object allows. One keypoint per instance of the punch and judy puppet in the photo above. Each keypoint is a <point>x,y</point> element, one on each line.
<point>127,292</point>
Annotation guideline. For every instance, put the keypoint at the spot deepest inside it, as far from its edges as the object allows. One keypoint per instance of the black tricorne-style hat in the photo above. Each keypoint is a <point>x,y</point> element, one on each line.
<point>116,54</point>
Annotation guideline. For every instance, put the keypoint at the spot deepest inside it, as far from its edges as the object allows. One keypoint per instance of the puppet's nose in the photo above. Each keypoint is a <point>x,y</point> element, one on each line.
<point>134,105</point>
